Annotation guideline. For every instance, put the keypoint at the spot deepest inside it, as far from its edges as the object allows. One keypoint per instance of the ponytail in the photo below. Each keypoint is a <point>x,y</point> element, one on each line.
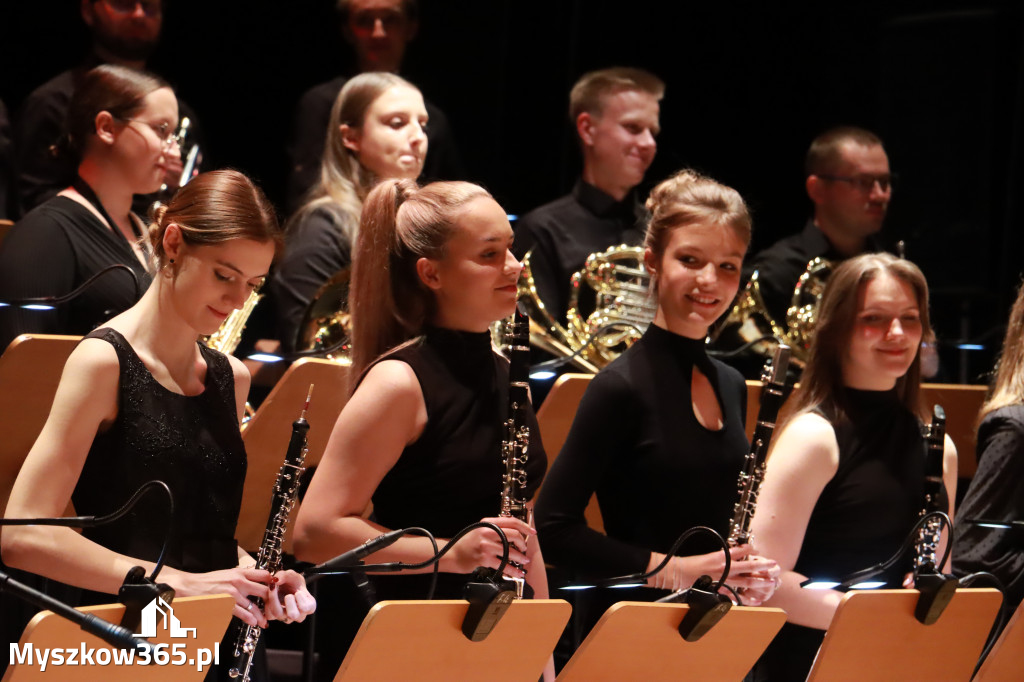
<point>400,224</point>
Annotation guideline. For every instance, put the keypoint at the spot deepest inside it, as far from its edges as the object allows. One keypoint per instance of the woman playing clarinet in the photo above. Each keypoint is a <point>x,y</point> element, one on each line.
<point>421,435</point>
<point>844,484</point>
<point>659,434</point>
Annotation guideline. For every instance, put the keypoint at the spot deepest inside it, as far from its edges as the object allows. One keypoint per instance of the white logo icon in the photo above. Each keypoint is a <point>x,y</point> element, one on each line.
<point>158,607</point>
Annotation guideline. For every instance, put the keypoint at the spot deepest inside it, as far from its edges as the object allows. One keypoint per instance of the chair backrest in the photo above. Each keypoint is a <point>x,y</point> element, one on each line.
<point>5,227</point>
<point>555,419</point>
<point>268,432</point>
<point>30,370</point>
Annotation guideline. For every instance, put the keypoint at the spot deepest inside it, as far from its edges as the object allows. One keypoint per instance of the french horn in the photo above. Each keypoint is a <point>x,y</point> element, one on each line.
<point>326,326</point>
<point>617,281</point>
<point>749,322</point>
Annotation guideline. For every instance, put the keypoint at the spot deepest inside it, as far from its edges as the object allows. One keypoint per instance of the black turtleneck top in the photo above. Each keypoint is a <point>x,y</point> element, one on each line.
<point>451,476</point>
<point>657,472</point>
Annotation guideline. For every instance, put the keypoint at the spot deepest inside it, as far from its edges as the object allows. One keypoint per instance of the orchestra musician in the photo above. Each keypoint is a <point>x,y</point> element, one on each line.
<point>844,483</point>
<point>377,130</point>
<point>659,434</point>
<point>997,490</point>
<point>142,399</point>
<point>121,126</point>
<point>421,434</point>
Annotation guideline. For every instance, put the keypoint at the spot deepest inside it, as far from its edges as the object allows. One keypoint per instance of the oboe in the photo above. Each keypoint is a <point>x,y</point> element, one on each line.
<point>516,442</point>
<point>270,555</point>
<point>752,474</point>
<point>931,533</point>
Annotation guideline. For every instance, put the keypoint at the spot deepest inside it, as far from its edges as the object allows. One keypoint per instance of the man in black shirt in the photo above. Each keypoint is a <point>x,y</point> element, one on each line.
<point>849,182</point>
<point>615,112</point>
<point>124,32</point>
<point>378,31</point>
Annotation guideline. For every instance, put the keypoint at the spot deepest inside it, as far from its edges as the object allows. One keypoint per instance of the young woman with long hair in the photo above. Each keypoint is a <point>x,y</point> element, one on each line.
<point>142,399</point>
<point>844,483</point>
<point>377,131</point>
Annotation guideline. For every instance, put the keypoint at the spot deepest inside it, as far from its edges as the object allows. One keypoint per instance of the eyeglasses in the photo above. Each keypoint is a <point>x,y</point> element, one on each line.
<point>168,137</point>
<point>150,8</point>
<point>864,182</point>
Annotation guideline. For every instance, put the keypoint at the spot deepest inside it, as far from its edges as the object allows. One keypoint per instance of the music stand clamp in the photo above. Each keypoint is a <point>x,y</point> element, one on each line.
<point>936,589</point>
<point>136,592</point>
<point>489,599</point>
<point>706,609</point>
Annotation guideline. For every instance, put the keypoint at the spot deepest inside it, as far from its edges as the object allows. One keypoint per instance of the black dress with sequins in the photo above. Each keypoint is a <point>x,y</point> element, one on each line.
<point>192,443</point>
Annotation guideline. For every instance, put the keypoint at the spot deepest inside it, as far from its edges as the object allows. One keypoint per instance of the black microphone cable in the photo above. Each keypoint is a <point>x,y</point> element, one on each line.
<point>396,566</point>
<point>642,577</point>
<point>77,291</point>
<point>96,521</point>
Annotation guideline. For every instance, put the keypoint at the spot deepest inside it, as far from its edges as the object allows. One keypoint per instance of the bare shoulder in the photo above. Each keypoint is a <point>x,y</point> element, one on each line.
<point>808,440</point>
<point>391,379</point>
<point>240,372</point>
<point>93,360</point>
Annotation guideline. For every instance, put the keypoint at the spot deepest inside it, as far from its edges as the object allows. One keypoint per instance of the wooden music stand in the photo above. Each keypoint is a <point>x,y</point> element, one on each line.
<point>641,641</point>
<point>1003,663</point>
<point>209,615</point>
<point>880,624</point>
<point>267,434</point>
<point>30,370</point>
<point>423,641</point>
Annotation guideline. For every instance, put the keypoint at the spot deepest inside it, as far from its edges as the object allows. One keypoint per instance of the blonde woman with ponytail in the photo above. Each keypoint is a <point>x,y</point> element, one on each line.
<point>421,435</point>
<point>141,399</point>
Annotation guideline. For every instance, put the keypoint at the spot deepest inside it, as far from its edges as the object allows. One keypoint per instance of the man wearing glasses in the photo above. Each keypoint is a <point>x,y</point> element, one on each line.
<point>124,32</point>
<point>849,182</point>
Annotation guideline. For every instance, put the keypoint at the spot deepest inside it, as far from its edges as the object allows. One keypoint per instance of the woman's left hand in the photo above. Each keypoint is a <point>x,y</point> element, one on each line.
<point>289,600</point>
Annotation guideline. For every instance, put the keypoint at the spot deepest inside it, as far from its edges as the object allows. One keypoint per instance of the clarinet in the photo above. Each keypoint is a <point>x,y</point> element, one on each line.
<point>516,442</point>
<point>270,555</point>
<point>931,533</point>
<point>773,395</point>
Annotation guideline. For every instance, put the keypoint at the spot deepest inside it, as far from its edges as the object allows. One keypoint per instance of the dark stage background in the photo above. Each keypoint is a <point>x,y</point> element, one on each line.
<point>749,85</point>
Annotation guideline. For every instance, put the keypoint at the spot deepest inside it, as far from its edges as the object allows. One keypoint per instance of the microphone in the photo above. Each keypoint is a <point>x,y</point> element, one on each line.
<point>354,557</point>
<point>115,635</point>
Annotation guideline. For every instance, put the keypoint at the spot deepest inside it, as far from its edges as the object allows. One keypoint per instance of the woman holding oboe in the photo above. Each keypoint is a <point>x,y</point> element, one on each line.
<point>141,399</point>
<point>659,434</point>
<point>844,484</point>
<point>421,435</point>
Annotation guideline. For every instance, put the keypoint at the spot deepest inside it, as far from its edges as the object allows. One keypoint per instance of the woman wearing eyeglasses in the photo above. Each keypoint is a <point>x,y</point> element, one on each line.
<point>120,129</point>
<point>377,131</point>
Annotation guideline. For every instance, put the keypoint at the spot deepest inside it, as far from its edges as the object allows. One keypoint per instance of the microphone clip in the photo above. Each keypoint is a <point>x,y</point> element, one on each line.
<point>936,589</point>
<point>136,592</point>
<point>489,597</point>
<point>706,608</point>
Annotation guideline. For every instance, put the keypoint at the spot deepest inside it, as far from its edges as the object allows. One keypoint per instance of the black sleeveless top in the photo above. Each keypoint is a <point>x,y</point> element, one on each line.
<point>451,476</point>
<point>192,443</point>
<point>865,512</point>
<point>862,516</point>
